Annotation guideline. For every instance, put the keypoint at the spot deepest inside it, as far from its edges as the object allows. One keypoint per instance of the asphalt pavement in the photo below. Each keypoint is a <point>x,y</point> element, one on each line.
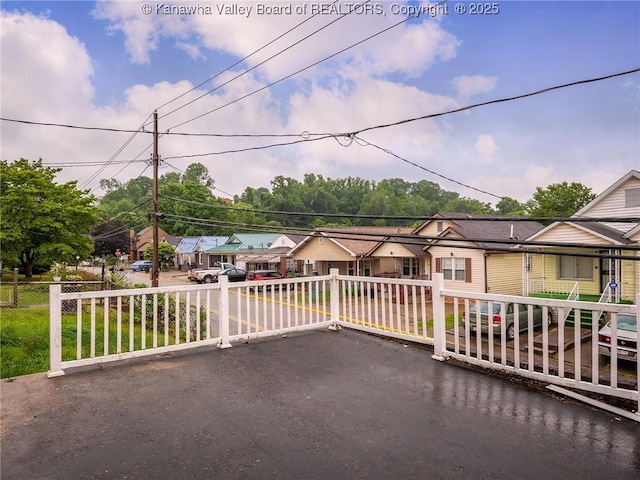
<point>317,405</point>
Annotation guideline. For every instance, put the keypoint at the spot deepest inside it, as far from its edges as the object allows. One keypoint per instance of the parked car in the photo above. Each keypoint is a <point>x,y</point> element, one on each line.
<point>234,274</point>
<point>509,316</point>
<point>207,275</point>
<point>259,275</point>
<point>141,266</point>
<point>627,338</point>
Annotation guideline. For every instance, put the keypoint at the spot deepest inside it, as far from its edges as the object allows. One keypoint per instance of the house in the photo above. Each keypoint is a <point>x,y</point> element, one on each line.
<point>347,249</point>
<point>601,271</point>
<point>409,258</point>
<point>472,251</point>
<point>142,240</point>
<point>202,257</point>
<point>276,257</point>
<point>240,245</point>
<point>185,252</point>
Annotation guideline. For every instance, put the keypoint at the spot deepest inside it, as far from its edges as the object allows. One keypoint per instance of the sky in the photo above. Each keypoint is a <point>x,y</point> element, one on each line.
<point>226,76</point>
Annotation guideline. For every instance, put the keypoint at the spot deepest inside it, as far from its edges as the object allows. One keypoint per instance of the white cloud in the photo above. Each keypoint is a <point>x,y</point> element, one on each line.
<point>141,32</point>
<point>469,86</point>
<point>192,50</point>
<point>486,148</point>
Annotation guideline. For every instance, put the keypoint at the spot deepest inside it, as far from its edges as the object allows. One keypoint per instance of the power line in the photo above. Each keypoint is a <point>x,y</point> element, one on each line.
<point>500,100</point>
<point>333,134</point>
<point>255,66</point>
<point>355,135</point>
<point>386,150</point>
<point>167,133</point>
<point>249,149</point>
<point>298,71</point>
<point>474,217</point>
<point>114,156</point>
<point>412,239</point>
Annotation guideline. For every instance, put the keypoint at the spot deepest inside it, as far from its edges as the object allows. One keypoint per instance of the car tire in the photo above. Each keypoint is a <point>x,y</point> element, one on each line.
<point>549,319</point>
<point>207,279</point>
<point>510,332</point>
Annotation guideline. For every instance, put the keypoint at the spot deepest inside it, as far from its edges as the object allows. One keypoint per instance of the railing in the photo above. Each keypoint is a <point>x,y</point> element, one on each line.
<point>112,325</point>
<point>574,294</point>
<point>557,353</point>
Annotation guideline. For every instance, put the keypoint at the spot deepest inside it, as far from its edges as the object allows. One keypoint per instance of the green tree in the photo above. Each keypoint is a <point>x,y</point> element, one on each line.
<point>43,221</point>
<point>166,253</point>
<point>109,236</point>
<point>130,201</point>
<point>198,173</point>
<point>559,200</point>
<point>509,206</point>
<point>467,205</point>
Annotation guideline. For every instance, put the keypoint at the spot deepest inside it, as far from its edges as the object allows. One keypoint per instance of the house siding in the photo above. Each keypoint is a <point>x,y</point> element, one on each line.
<point>630,280</point>
<point>325,251</point>
<point>563,233</point>
<point>504,273</point>
<point>431,229</point>
<point>587,287</point>
<point>477,283</point>
<point>613,205</point>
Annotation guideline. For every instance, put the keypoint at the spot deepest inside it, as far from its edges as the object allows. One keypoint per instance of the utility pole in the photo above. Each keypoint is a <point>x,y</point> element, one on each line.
<point>155,270</point>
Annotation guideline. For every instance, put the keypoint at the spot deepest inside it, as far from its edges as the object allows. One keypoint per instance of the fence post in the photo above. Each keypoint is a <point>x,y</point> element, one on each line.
<point>638,343</point>
<point>55,332</point>
<point>223,311</point>
<point>334,299</point>
<point>15,288</point>
<point>439,329</point>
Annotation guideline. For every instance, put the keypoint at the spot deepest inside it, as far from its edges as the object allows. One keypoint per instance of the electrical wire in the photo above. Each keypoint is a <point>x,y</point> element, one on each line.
<point>429,240</point>
<point>115,155</point>
<point>474,217</point>
<point>249,149</point>
<point>264,61</point>
<point>360,141</point>
<point>500,100</point>
<point>297,72</point>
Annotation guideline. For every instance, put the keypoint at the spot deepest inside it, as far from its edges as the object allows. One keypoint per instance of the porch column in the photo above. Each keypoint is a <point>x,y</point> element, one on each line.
<point>439,329</point>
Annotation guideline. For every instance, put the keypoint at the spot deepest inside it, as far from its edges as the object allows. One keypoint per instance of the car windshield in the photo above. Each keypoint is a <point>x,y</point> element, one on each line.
<point>484,307</point>
<point>628,323</point>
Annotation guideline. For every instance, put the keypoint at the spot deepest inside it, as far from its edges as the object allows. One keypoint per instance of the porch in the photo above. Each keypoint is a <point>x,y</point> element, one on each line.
<point>316,405</point>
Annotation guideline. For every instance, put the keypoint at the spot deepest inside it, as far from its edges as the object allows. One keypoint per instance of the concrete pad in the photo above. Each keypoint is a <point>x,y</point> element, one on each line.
<point>319,405</point>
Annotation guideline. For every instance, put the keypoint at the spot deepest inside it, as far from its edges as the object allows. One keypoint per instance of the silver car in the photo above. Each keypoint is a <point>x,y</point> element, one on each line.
<point>509,316</point>
<point>627,338</point>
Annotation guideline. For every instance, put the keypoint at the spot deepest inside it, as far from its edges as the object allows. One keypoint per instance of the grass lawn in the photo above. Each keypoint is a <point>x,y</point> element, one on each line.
<point>24,338</point>
<point>561,296</point>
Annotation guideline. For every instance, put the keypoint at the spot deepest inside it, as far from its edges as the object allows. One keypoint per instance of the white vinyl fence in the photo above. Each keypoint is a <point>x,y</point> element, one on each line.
<point>94,327</point>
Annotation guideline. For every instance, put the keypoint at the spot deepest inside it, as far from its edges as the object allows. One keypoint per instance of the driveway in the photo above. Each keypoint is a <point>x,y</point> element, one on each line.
<point>319,405</point>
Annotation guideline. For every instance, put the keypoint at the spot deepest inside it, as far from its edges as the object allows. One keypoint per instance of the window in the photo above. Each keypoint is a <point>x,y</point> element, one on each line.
<point>367,268</point>
<point>455,268</point>
<point>410,266</point>
<point>632,197</point>
<point>575,268</point>
<point>439,226</point>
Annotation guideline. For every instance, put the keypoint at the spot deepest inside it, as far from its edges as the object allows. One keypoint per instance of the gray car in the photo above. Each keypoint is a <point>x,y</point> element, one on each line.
<point>509,317</point>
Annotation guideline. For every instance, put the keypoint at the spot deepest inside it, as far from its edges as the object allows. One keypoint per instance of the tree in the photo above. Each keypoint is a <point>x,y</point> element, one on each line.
<point>509,206</point>
<point>166,253</point>
<point>43,221</point>
<point>198,173</point>
<point>109,236</point>
<point>559,200</point>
